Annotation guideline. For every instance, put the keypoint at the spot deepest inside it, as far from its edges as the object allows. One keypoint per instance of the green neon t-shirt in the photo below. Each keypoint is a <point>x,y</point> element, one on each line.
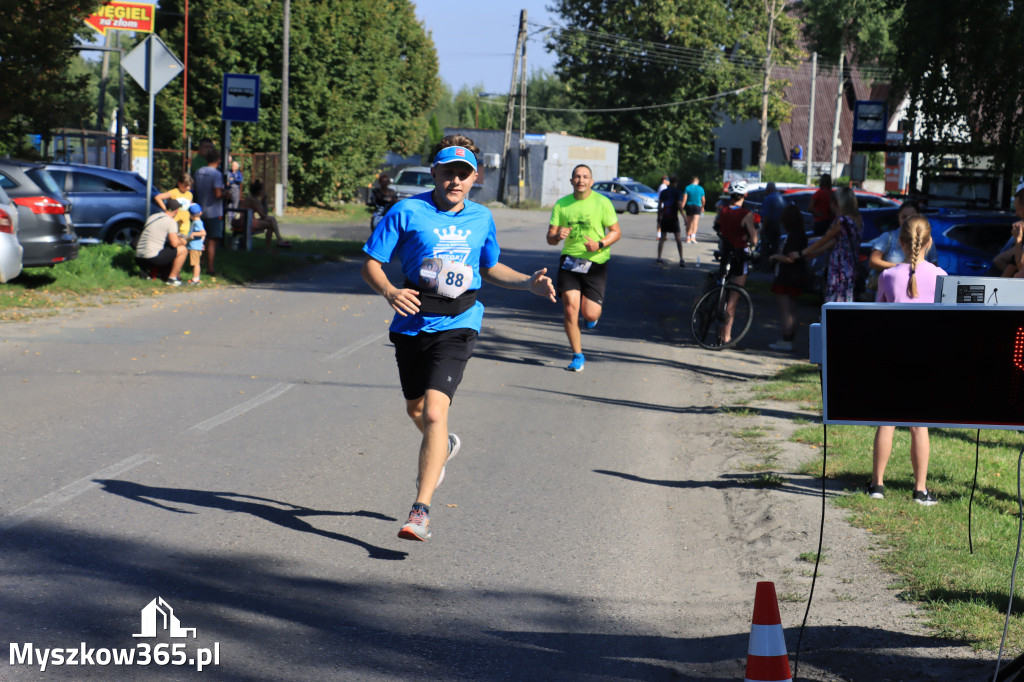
<point>590,217</point>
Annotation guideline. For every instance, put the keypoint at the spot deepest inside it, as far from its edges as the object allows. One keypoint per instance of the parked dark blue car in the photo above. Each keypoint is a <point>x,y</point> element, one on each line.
<point>967,241</point>
<point>106,204</point>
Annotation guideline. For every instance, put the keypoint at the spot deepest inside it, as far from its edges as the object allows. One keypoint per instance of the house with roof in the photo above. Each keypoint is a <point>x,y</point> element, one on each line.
<point>738,142</point>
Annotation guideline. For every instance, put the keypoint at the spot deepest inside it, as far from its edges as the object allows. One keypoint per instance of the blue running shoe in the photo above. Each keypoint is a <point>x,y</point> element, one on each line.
<point>418,525</point>
<point>589,325</point>
<point>577,363</point>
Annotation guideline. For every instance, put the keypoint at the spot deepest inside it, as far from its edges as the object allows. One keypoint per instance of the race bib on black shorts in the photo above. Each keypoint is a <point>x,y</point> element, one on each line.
<point>580,265</point>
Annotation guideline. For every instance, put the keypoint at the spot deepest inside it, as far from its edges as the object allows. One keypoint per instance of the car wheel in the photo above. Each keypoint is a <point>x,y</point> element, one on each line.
<point>633,207</point>
<point>124,233</point>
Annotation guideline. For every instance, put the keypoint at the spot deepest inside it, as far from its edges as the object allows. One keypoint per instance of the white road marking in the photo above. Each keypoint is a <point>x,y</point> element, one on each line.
<point>69,492</point>
<point>228,415</point>
<point>352,348</point>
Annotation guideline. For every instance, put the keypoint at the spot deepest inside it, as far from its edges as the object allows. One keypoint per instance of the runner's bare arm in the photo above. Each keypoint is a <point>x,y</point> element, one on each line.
<point>404,301</point>
<point>612,234</point>
<point>557,234</point>
<point>504,276</point>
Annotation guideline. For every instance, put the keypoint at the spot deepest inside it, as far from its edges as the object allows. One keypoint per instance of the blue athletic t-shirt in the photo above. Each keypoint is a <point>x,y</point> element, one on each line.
<point>415,229</point>
<point>694,194</point>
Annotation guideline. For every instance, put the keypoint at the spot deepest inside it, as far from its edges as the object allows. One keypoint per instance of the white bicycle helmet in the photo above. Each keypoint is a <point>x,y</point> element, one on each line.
<point>738,187</point>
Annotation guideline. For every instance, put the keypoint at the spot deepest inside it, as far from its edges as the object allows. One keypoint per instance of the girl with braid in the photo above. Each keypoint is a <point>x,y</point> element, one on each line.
<point>912,281</point>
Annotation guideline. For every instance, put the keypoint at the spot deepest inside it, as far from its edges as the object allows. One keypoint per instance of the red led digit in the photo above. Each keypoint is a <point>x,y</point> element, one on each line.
<point>1018,349</point>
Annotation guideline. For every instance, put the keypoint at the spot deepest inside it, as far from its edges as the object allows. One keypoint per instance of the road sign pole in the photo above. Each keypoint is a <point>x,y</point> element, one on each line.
<point>149,133</point>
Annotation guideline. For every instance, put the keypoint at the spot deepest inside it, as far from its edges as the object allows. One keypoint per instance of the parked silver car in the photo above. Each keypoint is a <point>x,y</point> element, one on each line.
<point>10,248</point>
<point>411,181</point>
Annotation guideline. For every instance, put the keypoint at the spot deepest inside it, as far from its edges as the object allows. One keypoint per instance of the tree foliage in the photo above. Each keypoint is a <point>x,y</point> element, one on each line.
<point>362,75</point>
<point>861,29</point>
<point>618,54</point>
<point>39,90</point>
<point>961,65</point>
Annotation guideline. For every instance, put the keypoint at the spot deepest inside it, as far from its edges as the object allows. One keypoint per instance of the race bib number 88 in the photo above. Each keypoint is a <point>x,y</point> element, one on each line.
<point>445,277</point>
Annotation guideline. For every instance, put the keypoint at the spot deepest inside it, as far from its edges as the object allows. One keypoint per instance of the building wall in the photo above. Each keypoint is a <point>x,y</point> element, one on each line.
<point>564,152</point>
<point>740,135</point>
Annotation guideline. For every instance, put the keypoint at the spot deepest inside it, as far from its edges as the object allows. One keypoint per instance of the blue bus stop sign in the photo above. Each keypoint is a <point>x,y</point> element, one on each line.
<point>240,99</point>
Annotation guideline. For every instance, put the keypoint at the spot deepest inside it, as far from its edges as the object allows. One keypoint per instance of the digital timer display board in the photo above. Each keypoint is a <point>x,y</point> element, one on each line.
<point>923,365</point>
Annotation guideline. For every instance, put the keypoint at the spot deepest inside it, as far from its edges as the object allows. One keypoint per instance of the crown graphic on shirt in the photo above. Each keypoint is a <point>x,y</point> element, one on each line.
<point>453,234</point>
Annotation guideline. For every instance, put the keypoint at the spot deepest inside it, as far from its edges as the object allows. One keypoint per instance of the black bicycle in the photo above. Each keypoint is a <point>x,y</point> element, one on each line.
<point>725,310</point>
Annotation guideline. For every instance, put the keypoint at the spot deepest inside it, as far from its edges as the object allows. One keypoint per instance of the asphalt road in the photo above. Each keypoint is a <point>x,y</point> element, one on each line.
<point>243,454</point>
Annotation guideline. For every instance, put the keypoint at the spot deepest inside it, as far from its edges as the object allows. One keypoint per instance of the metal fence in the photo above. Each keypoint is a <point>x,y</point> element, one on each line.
<point>99,148</point>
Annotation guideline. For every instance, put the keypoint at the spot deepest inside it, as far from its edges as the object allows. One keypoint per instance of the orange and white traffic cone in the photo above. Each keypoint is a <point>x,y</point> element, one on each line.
<point>767,660</point>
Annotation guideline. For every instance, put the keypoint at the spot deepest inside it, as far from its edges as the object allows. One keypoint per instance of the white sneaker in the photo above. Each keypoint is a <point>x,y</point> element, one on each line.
<point>781,345</point>
<point>454,444</point>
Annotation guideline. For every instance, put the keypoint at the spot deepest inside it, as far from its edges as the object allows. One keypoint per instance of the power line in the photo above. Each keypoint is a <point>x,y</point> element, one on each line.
<point>639,108</point>
<point>662,54</point>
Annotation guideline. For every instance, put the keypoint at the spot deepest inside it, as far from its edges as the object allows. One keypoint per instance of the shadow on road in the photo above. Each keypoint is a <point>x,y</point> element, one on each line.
<point>281,513</point>
<point>276,622</point>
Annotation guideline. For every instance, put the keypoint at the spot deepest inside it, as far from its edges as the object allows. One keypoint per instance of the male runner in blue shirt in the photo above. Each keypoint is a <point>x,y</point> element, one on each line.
<point>447,245</point>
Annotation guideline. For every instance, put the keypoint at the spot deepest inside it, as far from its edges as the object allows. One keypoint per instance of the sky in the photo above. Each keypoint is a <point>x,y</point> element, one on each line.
<point>476,40</point>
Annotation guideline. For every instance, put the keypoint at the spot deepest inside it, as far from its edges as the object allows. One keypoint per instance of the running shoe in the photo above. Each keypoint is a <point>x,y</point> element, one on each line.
<point>194,280</point>
<point>418,525</point>
<point>876,492</point>
<point>173,282</point>
<point>577,363</point>
<point>682,263</point>
<point>589,325</point>
<point>781,345</point>
<point>454,444</point>
<point>924,498</point>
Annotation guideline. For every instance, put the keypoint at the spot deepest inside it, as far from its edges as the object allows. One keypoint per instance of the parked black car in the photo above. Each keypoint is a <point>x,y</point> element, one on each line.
<point>45,229</point>
<point>106,204</point>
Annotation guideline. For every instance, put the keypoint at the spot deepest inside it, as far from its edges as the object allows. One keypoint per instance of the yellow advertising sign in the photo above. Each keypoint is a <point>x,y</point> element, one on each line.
<point>123,16</point>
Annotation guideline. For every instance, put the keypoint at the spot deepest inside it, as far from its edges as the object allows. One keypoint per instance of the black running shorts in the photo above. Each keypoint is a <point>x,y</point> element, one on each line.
<point>432,360</point>
<point>591,284</point>
<point>691,209</point>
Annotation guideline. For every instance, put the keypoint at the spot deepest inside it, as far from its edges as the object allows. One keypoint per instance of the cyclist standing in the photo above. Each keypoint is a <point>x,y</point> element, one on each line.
<point>739,233</point>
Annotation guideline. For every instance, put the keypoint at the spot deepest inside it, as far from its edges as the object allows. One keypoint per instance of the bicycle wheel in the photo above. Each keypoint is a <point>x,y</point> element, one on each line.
<point>742,313</point>
<point>711,314</point>
<point>706,317</point>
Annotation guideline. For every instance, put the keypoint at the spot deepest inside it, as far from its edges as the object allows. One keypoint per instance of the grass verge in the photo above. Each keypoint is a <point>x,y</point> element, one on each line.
<point>106,273</point>
<point>964,594</point>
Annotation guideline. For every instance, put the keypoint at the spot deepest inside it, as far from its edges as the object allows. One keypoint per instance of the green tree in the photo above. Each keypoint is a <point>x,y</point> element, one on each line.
<point>362,74</point>
<point>39,91</point>
<point>705,55</point>
<point>550,105</point>
<point>961,65</point>
<point>861,29</point>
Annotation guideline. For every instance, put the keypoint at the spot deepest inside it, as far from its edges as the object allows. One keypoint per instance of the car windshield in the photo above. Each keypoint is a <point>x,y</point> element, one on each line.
<point>418,178</point>
<point>640,188</point>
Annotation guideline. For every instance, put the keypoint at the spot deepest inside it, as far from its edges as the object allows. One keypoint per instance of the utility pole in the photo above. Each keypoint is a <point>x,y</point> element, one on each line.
<point>510,108</point>
<point>104,73</point>
<point>762,156</point>
<point>522,123</point>
<point>282,192</point>
<point>839,111</point>
<point>810,120</point>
